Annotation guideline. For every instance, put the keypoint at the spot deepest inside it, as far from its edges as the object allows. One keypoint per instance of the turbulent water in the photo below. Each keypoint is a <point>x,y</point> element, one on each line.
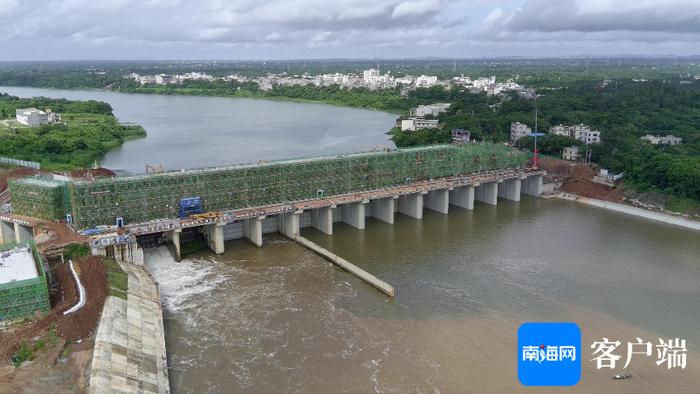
<point>194,132</point>
<point>282,319</point>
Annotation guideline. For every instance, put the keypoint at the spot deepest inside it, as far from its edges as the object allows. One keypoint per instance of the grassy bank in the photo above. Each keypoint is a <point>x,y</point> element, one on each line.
<point>87,131</point>
<point>117,279</point>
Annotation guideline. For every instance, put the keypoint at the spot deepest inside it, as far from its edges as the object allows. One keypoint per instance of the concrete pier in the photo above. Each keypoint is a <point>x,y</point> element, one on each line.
<point>354,214</point>
<point>509,189</point>
<point>127,252</point>
<point>7,232</point>
<point>174,238</point>
<point>288,223</point>
<point>462,196</point>
<point>383,209</point>
<point>322,219</point>
<point>532,185</point>
<point>348,266</point>
<point>23,233</point>
<point>252,230</point>
<point>214,233</point>
<point>438,200</point>
<point>487,193</point>
<point>411,205</point>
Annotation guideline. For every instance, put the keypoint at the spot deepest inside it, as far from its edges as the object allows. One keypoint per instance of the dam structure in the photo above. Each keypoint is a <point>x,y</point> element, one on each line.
<point>246,201</point>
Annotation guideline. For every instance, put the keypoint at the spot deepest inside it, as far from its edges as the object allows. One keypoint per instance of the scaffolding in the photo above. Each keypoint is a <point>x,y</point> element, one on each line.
<point>40,198</point>
<point>143,198</point>
<point>24,297</point>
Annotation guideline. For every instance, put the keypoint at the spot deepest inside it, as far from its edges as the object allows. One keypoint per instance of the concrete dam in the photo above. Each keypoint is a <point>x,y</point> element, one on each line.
<point>247,201</point>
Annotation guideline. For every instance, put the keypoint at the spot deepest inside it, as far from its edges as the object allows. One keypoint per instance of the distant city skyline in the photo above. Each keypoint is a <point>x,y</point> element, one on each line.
<point>345,29</point>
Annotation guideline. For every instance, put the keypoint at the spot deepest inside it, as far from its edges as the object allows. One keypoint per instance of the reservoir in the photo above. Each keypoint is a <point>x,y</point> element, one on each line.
<point>194,132</point>
<point>282,319</point>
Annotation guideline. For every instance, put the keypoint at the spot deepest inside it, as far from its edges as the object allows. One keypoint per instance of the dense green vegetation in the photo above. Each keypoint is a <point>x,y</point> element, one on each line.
<point>623,111</point>
<point>387,100</point>
<point>599,92</point>
<point>88,130</point>
<point>75,250</point>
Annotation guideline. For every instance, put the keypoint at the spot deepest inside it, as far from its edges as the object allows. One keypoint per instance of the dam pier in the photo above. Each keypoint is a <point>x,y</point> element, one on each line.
<point>351,209</point>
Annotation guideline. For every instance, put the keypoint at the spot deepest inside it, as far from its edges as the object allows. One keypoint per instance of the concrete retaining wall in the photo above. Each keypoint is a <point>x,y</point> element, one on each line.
<point>129,354</point>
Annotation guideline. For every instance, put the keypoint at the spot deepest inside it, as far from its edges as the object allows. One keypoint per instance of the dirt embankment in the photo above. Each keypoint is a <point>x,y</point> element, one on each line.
<point>52,236</point>
<point>577,178</point>
<point>73,327</point>
<point>22,172</point>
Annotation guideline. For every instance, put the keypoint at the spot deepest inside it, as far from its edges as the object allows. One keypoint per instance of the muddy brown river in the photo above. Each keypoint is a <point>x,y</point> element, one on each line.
<point>282,319</point>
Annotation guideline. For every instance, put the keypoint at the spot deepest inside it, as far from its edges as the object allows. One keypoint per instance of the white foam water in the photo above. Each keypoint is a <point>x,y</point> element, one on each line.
<point>180,282</point>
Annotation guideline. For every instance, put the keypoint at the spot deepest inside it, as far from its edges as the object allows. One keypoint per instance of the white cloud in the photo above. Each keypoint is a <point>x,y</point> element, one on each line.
<point>421,7</point>
<point>90,29</point>
<point>676,16</point>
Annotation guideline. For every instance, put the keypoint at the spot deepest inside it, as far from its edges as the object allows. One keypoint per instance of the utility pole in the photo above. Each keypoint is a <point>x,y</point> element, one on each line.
<point>535,160</point>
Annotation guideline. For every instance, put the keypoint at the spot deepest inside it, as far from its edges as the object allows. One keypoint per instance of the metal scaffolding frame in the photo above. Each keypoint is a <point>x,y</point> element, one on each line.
<point>39,197</point>
<point>24,297</point>
<point>147,197</point>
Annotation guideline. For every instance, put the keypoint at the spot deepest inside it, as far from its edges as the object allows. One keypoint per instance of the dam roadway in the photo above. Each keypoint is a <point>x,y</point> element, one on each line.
<point>350,208</point>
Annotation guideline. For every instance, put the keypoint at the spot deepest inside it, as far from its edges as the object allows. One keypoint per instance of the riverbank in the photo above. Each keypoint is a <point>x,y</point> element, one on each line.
<point>253,95</point>
<point>129,354</point>
<point>247,94</point>
<point>629,210</point>
<point>84,132</point>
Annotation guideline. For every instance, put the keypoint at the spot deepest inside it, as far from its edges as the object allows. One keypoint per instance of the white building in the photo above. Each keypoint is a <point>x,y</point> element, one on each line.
<point>426,81</point>
<point>163,79</point>
<point>570,153</point>
<point>31,117</point>
<point>662,140</point>
<point>53,116</point>
<point>518,130</point>
<point>430,109</point>
<point>590,137</point>
<point>407,80</point>
<point>580,132</point>
<point>370,76</point>
<point>413,124</point>
<point>484,82</point>
<point>461,136</point>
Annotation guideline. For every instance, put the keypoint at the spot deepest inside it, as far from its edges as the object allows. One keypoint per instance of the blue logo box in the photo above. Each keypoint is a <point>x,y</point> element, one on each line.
<point>549,354</point>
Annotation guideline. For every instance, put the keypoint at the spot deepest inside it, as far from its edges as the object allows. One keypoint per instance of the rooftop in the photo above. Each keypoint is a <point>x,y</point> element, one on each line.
<point>26,111</point>
<point>17,264</point>
<point>40,181</point>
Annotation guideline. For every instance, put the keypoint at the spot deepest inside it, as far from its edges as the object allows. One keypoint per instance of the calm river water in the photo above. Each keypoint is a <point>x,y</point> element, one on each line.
<point>192,132</point>
<point>282,319</point>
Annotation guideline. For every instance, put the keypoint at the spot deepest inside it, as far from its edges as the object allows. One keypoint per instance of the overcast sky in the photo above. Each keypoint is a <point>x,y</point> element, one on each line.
<point>295,29</point>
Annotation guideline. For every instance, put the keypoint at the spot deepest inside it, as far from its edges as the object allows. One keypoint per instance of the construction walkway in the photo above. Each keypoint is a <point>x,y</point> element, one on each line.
<point>129,354</point>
